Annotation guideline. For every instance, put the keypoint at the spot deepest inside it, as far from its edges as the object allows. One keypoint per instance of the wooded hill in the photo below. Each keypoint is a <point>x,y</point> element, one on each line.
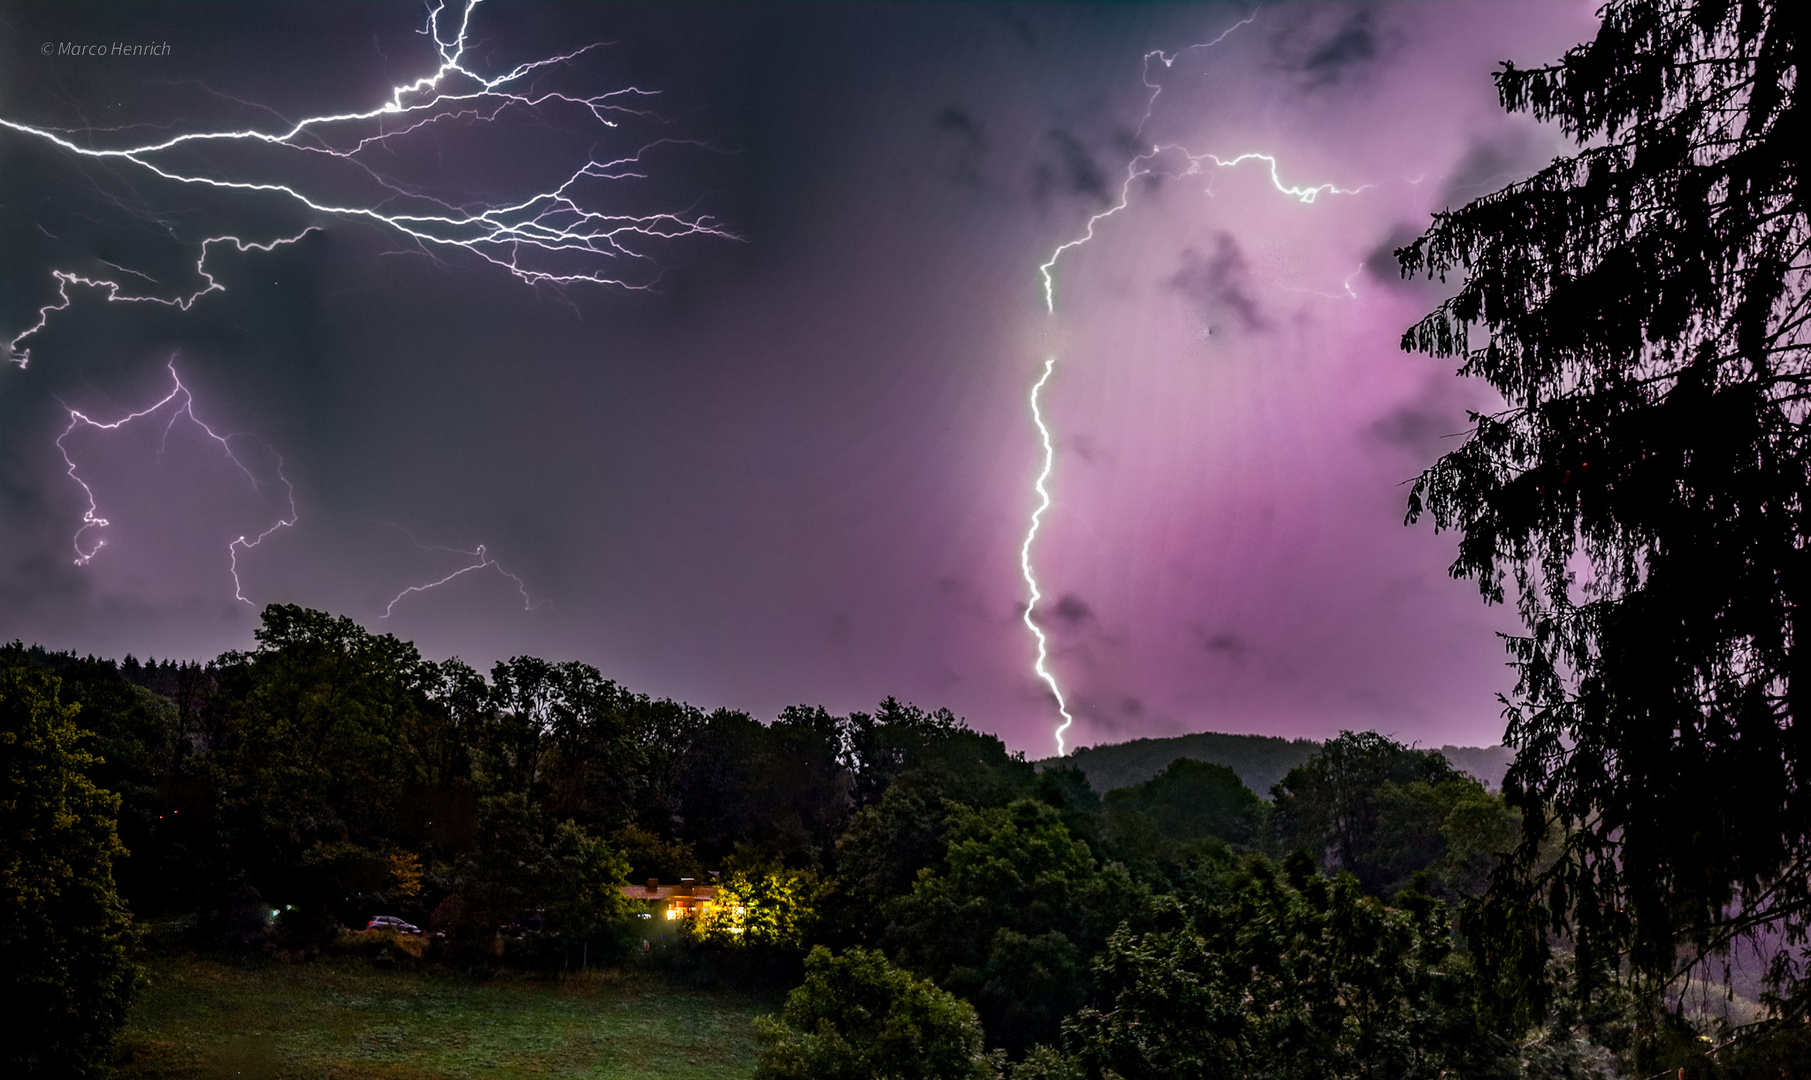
<point>1260,760</point>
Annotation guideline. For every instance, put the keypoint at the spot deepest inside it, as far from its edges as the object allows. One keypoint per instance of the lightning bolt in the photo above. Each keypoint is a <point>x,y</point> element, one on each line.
<point>115,292</point>
<point>481,560</point>
<point>1144,164</point>
<point>1031,535</point>
<point>558,234</point>
<point>550,236</point>
<point>184,407</point>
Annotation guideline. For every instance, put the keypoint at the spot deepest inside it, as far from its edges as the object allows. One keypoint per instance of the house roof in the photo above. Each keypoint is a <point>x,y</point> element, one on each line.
<point>668,892</point>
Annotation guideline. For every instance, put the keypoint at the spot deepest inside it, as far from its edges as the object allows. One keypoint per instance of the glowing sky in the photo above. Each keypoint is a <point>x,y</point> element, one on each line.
<point>799,469</point>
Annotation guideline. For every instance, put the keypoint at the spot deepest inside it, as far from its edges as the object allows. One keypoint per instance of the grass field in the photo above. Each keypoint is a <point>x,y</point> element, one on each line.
<point>346,1019</point>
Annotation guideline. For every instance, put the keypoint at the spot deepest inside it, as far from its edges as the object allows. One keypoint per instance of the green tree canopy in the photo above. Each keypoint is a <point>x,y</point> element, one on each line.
<point>1385,812</point>
<point>1291,976</point>
<point>1010,918</point>
<point>1190,809</point>
<point>65,977</point>
<point>857,1017</point>
<point>526,865</point>
<point>1641,308</point>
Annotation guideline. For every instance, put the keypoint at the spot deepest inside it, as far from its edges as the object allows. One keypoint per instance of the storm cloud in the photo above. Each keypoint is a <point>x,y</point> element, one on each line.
<point>797,465</point>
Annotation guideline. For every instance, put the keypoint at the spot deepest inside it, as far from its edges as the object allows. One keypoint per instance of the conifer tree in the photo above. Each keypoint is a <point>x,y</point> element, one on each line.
<point>1645,494</point>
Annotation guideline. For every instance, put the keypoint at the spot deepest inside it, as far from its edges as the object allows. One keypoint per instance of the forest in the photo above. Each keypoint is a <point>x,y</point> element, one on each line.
<point>270,801</point>
<point>943,907</point>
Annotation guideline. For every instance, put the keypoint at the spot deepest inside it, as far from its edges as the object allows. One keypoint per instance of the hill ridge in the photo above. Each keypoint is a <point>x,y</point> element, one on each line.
<point>1260,760</point>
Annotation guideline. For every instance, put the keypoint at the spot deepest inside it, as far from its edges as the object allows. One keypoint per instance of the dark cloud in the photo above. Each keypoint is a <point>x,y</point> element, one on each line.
<point>1425,426</point>
<point>1224,643</point>
<point>1381,264</point>
<point>1353,44</point>
<point>963,136</point>
<point>1016,22</point>
<point>1490,162</point>
<point>1332,46</point>
<point>1076,169</point>
<point>1072,610</point>
<point>1131,706</point>
<point>956,120</point>
<point>1220,284</point>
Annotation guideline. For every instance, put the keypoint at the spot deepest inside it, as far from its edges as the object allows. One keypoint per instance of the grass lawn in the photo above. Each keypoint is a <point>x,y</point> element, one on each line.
<point>347,1019</point>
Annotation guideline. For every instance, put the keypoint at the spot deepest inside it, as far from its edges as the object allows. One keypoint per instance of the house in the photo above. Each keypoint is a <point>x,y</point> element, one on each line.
<point>682,901</point>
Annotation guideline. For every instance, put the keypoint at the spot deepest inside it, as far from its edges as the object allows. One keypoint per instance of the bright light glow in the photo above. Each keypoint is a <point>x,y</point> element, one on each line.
<point>1144,164</point>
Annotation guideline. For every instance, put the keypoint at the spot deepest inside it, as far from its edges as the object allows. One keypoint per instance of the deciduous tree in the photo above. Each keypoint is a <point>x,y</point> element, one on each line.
<point>858,1017</point>
<point>65,976</point>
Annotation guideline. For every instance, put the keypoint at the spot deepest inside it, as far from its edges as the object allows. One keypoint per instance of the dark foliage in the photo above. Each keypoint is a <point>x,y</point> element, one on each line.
<point>858,1017</point>
<point>1641,306</point>
<point>1261,975</point>
<point>289,793</point>
<point>1389,814</point>
<point>65,977</point>
<point>1009,917</point>
<point>1260,760</point>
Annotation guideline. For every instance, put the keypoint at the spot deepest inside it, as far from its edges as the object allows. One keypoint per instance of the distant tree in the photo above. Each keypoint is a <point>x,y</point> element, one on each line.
<point>1285,976</point>
<point>137,739</point>
<point>528,868</point>
<point>1010,918</point>
<point>1190,809</point>
<point>780,787</point>
<point>65,976</point>
<point>1373,807</point>
<point>652,856</point>
<point>857,1017</point>
<point>878,856</point>
<point>1641,308</point>
<point>324,732</point>
<point>900,739</point>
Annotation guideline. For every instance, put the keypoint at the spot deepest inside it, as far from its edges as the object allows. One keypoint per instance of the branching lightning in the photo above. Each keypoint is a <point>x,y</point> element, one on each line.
<point>549,236</point>
<point>481,560</point>
<point>558,234</point>
<point>184,406</point>
<point>1142,165</point>
<point>116,292</point>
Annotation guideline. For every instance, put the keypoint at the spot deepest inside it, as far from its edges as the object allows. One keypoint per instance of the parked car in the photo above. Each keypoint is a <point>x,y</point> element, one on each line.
<point>391,922</point>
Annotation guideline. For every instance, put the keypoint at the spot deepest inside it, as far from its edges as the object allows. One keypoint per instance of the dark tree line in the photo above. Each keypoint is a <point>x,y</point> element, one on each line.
<point>272,799</point>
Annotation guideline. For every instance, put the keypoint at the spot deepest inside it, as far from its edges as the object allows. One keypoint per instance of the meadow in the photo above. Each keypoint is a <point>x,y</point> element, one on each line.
<point>347,1018</point>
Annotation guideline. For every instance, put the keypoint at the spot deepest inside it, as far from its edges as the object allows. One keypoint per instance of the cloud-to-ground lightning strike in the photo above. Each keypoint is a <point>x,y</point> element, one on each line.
<point>1144,164</point>
<point>184,406</point>
<point>556,234</point>
<point>1031,535</point>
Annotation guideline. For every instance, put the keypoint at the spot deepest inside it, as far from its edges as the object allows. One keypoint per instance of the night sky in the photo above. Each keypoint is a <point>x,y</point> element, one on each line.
<point>790,457</point>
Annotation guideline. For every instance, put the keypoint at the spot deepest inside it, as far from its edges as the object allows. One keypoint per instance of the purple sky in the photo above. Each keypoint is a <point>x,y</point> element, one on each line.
<point>800,469</point>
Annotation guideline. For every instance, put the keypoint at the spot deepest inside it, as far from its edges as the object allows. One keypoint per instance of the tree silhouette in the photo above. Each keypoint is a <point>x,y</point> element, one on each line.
<point>1641,306</point>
